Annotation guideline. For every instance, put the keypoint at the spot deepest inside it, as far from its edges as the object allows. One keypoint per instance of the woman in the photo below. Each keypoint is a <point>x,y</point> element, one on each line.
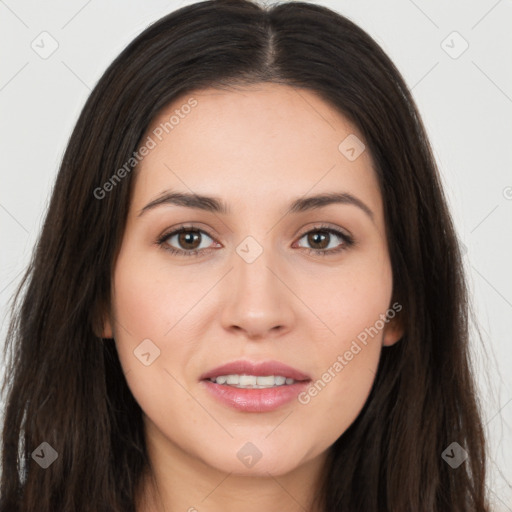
<point>312,354</point>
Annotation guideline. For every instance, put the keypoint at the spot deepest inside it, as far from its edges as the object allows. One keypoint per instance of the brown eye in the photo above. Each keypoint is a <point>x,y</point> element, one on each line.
<point>186,241</point>
<point>323,241</point>
<point>189,239</point>
<point>318,239</point>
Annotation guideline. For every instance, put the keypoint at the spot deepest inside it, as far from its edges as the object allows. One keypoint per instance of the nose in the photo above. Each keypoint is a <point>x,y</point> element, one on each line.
<point>259,301</point>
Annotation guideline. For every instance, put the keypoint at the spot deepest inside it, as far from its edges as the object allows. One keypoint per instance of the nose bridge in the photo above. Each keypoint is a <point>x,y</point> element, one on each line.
<point>257,299</point>
<point>253,279</point>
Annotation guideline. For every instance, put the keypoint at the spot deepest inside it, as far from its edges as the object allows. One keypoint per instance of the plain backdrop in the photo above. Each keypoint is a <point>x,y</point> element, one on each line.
<point>456,59</point>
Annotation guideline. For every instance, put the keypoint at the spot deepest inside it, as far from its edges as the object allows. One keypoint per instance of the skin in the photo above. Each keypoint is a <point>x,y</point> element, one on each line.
<point>258,148</point>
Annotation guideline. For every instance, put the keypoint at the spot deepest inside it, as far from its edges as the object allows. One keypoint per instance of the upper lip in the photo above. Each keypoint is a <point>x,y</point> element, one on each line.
<point>261,369</point>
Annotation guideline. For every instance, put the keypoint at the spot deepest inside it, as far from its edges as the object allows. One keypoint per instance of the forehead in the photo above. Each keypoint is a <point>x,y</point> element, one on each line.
<point>261,141</point>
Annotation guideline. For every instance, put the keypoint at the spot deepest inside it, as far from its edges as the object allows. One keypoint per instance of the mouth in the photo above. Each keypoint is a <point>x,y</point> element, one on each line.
<point>255,387</point>
<point>255,375</point>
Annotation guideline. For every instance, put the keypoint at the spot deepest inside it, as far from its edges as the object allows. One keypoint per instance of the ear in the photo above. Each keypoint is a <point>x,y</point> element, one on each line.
<point>102,325</point>
<point>107,332</point>
<point>393,331</point>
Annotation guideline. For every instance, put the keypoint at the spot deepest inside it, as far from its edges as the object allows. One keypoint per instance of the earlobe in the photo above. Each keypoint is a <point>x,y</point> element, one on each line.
<point>107,329</point>
<point>102,327</point>
<point>393,332</point>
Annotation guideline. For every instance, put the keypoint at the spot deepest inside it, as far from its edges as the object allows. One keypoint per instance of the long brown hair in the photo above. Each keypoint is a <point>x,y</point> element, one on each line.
<point>65,385</point>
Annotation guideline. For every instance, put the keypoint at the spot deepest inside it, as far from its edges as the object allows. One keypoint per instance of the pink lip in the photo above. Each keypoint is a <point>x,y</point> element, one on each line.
<point>255,400</point>
<point>259,369</point>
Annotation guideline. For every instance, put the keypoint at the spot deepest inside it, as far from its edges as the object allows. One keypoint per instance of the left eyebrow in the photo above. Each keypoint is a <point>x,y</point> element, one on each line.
<point>319,201</point>
<point>216,205</point>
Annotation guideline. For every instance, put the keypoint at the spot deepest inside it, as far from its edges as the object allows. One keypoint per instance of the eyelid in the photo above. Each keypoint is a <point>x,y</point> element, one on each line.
<point>324,226</point>
<point>188,226</point>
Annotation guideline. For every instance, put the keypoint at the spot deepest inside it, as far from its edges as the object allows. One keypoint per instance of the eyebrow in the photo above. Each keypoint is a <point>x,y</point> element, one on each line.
<point>216,205</point>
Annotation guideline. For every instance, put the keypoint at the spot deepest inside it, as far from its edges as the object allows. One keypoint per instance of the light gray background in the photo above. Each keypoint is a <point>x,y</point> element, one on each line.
<point>466,104</point>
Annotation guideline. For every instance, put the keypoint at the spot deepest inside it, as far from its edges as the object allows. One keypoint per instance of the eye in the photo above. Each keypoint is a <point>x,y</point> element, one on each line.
<point>324,236</point>
<point>188,239</point>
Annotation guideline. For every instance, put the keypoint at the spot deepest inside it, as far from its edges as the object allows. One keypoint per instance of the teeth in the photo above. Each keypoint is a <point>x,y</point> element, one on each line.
<point>232,379</point>
<point>260,381</point>
<point>253,381</point>
<point>247,380</point>
<point>280,380</point>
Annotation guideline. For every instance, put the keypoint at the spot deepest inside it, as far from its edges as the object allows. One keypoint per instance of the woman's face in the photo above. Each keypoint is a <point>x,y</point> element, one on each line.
<point>256,291</point>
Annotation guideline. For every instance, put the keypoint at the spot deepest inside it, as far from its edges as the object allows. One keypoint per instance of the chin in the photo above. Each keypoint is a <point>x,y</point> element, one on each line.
<point>246,461</point>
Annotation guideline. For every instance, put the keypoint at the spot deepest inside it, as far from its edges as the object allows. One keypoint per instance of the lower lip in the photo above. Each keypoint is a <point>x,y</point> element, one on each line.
<point>255,400</point>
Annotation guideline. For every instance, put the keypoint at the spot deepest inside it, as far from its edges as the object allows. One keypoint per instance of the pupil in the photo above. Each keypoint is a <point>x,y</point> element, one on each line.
<point>187,237</point>
<point>313,239</point>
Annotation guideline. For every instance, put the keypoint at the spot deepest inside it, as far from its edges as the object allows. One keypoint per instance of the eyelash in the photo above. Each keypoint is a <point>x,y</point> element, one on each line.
<point>348,241</point>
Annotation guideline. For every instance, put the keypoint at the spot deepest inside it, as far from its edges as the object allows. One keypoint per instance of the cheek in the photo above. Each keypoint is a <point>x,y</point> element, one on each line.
<point>149,306</point>
<point>352,303</point>
<point>351,297</point>
<point>150,298</point>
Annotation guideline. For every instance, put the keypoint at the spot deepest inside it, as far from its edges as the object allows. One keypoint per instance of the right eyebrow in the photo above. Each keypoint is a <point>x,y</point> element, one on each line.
<point>208,203</point>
